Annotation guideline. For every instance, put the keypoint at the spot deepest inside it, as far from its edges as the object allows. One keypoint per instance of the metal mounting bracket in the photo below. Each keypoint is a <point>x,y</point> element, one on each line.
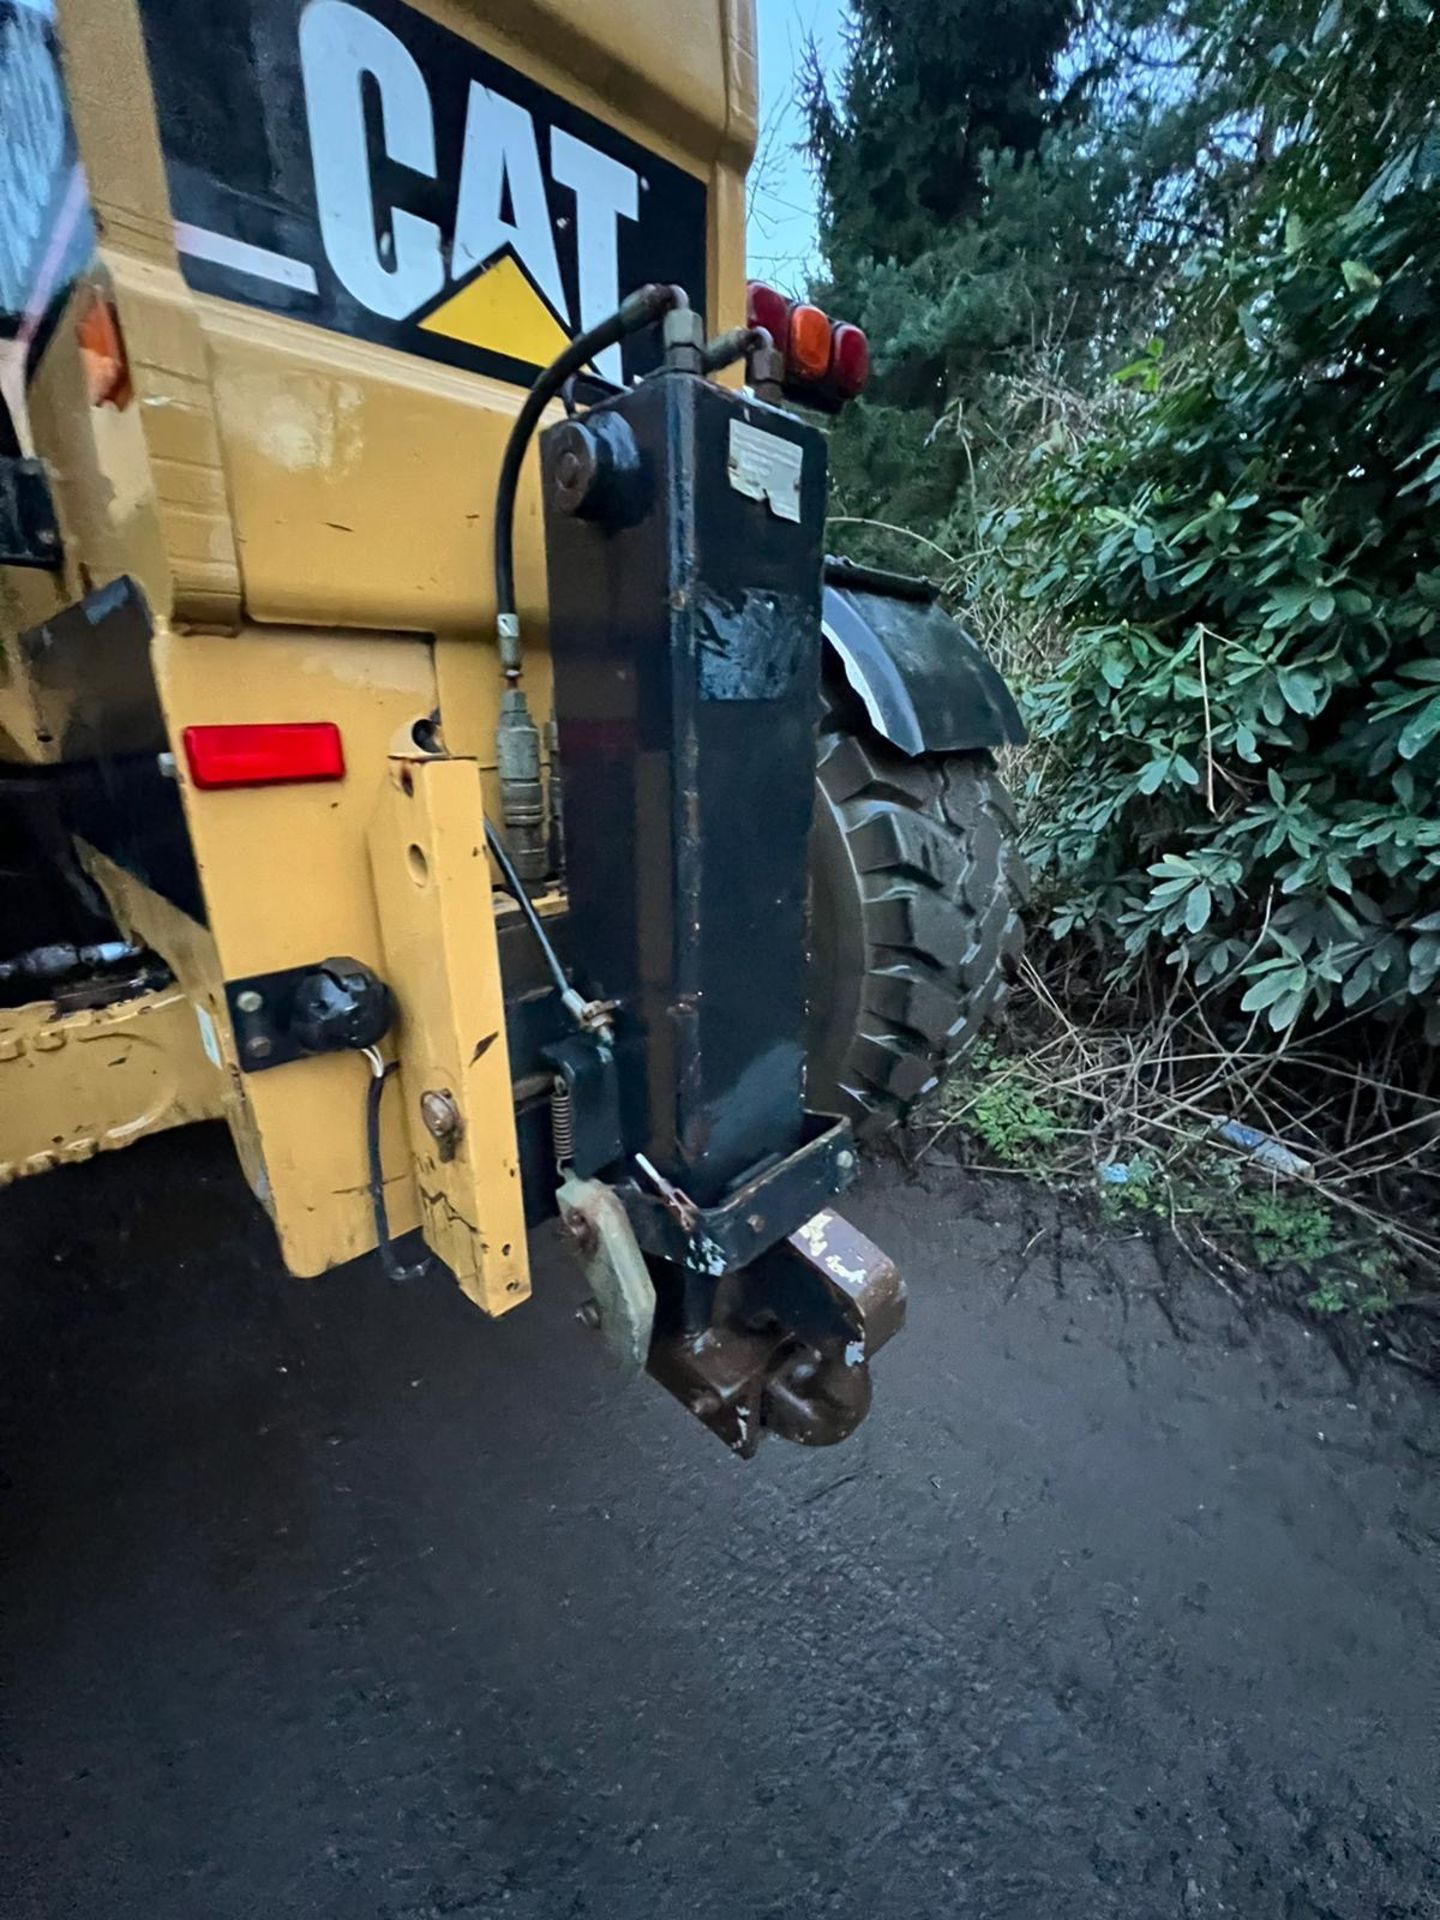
<point>599,1228</point>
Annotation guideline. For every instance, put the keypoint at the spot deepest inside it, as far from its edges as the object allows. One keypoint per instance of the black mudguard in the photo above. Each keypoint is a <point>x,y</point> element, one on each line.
<point>926,684</point>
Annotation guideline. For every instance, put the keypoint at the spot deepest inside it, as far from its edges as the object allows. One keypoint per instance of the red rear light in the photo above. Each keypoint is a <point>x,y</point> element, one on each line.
<point>264,755</point>
<point>849,362</point>
<point>807,351</point>
<point>764,307</point>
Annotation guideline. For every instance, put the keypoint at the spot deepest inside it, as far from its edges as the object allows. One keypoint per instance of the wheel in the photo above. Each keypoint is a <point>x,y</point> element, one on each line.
<point>917,888</point>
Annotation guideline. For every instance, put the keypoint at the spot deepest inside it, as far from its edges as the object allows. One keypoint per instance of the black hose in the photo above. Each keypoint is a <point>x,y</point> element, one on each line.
<point>395,1268</point>
<point>515,887</point>
<point>642,307</point>
<point>726,348</point>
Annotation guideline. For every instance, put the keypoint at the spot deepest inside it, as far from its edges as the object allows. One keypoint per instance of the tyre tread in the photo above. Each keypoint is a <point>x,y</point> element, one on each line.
<point>934,842</point>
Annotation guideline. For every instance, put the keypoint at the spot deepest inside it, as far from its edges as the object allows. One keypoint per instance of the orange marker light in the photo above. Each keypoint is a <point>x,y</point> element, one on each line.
<point>807,351</point>
<point>102,352</point>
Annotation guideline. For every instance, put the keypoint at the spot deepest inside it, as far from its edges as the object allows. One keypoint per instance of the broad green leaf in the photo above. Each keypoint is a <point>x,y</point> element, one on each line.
<point>1286,1011</point>
<point>1268,990</point>
<point>1421,730</point>
<point>1302,689</point>
<point>1152,776</point>
<point>1358,276</point>
<point>1356,986</point>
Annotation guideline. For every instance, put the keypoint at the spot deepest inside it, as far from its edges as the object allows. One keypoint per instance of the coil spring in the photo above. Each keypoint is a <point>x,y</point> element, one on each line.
<point>562,1125</point>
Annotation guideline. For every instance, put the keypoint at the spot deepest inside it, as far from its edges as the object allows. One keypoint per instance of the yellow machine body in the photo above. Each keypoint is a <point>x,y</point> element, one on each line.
<point>305,513</point>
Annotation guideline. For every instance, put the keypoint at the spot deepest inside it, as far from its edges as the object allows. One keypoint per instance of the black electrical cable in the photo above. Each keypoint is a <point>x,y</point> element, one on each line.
<point>642,307</point>
<point>395,1268</point>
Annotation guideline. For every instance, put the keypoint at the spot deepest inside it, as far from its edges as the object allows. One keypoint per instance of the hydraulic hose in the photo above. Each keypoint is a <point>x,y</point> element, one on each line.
<point>726,348</point>
<point>641,309</point>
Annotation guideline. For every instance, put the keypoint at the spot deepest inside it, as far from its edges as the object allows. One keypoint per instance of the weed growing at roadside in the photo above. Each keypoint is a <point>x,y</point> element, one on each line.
<point>1023,1116</point>
<point>1007,1114</point>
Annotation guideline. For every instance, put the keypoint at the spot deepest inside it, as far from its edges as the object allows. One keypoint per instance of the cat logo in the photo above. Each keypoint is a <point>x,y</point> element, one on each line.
<point>366,170</point>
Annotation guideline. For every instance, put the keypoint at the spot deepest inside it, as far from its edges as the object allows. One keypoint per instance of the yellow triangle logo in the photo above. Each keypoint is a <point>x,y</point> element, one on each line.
<point>500,310</point>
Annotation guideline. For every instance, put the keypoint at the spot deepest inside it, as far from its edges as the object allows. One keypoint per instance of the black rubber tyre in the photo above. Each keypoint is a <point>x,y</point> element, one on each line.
<point>917,888</point>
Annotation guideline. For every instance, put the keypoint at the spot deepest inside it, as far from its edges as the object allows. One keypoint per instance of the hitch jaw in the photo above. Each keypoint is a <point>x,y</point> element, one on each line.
<point>784,1345</point>
<point>780,1345</point>
<point>752,1329</point>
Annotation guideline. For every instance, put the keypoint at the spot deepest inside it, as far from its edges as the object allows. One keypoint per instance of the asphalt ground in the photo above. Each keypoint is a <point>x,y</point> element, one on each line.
<point>333,1599</point>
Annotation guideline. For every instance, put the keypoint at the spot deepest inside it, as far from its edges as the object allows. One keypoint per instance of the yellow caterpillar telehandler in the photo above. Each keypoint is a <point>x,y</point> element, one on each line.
<point>429,721</point>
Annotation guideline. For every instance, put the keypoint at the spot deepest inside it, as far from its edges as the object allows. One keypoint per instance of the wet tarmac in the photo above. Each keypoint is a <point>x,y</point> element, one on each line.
<point>329,1599</point>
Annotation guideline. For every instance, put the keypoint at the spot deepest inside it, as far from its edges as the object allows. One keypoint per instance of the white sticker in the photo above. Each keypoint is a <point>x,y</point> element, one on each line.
<point>765,467</point>
<point>209,1039</point>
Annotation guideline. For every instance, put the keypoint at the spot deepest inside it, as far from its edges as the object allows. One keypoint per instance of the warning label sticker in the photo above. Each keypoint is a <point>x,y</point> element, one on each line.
<point>764,466</point>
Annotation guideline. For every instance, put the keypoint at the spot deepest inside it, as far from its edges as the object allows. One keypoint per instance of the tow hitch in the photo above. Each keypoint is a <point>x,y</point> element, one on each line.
<point>784,1345</point>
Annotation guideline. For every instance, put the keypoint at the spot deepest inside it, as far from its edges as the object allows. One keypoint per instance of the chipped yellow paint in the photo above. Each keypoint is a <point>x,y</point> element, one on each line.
<point>442,960</point>
<point>152,922</point>
<point>77,1084</point>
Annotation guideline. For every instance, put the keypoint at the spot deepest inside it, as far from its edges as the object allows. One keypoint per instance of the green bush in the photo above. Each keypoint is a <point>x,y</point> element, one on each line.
<point>1239,753</point>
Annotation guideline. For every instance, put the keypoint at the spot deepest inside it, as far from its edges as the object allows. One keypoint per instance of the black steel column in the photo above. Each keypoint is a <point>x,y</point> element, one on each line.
<point>684,530</point>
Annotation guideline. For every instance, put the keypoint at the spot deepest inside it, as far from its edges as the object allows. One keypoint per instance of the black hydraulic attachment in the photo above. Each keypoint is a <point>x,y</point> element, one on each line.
<point>683,525</point>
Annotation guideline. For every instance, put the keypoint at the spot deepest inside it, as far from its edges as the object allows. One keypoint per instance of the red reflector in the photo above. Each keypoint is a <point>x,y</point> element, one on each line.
<point>849,361</point>
<point>807,351</point>
<point>264,755</point>
<point>764,307</point>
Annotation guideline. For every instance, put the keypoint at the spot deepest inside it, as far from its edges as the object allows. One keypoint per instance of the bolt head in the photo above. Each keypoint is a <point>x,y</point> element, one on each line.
<point>581,1232</point>
<point>440,1114</point>
<point>258,1046</point>
<point>577,466</point>
<point>249,1001</point>
<point>845,1160</point>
